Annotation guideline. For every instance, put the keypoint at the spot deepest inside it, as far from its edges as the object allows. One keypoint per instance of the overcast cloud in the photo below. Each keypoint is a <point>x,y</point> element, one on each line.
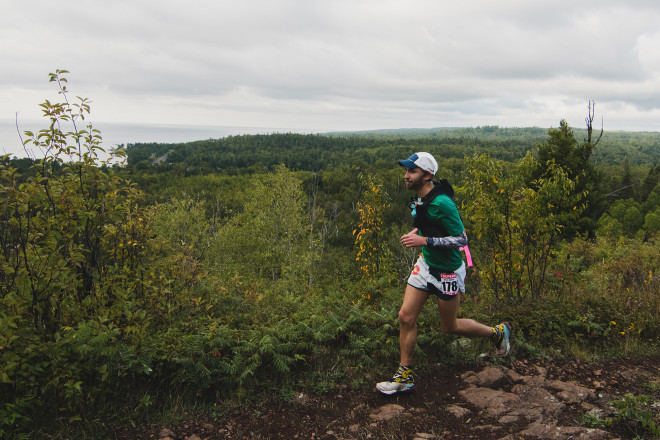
<point>338,64</point>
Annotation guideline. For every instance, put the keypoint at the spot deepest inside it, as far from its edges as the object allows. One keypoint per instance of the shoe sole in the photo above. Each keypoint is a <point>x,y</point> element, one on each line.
<point>392,392</point>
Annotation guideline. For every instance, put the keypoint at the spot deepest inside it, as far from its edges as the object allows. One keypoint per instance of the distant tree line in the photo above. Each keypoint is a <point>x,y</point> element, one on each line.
<point>313,152</point>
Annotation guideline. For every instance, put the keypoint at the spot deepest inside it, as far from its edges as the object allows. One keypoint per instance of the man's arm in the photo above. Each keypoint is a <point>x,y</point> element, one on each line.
<point>448,242</point>
<point>412,239</point>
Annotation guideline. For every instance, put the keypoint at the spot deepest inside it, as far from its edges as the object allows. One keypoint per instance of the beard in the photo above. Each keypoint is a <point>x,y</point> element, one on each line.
<point>415,183</point>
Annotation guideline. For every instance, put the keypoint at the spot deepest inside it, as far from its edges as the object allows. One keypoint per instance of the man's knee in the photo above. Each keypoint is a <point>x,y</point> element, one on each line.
<point>449,327</point>
<point>406,319</point>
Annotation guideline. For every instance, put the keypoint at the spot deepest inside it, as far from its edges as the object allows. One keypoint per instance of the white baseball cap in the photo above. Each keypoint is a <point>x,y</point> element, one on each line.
<point>421,160</point>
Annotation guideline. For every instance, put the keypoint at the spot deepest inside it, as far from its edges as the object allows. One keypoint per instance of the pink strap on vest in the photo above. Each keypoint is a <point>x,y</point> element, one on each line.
<point>467,254</point>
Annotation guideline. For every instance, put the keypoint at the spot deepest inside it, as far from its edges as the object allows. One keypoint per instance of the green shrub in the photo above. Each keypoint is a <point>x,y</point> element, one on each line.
<point>637,409</point>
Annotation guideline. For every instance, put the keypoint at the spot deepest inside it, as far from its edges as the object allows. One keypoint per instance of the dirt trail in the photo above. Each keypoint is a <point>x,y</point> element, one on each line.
<point>524,400</point>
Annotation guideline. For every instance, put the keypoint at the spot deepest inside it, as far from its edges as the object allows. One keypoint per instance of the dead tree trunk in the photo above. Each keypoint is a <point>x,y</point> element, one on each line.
<point>589,120</point>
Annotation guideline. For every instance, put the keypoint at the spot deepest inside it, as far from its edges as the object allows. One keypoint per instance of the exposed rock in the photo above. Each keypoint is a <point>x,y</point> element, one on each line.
<point>424,436</point>
<point>505,420</point>
<point>587,406</point>
<point>164,433</point>
<point>513,376</point>
<point>458,411</point>
<point>570,392</point>
<point>489,428</point>
<point>537,398</point>
<point>551,432</point>
<point>494,402</point>
<point>489,377</point>
<point>541,371</point>
<point>536,403</point>
<point>533,381</point>
<point>387,412</point>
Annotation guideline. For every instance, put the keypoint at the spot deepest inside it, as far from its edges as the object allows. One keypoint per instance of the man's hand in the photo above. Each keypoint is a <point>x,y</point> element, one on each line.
<point>411,239</point>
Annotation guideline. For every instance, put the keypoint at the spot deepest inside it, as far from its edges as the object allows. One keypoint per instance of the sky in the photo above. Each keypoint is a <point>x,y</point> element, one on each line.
<point>337,65</point>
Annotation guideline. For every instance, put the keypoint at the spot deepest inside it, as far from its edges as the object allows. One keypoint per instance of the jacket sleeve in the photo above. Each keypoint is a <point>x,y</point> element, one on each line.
<point>448,242</point>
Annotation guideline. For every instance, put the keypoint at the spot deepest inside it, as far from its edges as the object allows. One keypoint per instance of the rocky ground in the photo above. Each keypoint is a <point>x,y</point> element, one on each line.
<point>523,400</point>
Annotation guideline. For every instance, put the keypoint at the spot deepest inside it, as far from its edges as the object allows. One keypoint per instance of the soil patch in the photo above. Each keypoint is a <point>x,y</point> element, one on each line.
<point>522,400</point>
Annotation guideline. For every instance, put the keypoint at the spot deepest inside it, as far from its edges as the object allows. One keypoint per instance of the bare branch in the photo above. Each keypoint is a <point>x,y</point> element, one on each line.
<point>18,130</point>
<point>590,119</point>
<point>601,131</point>
<point>614,193</point>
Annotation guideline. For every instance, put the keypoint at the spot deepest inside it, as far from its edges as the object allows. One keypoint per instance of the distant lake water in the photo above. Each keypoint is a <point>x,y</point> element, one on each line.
<point>114,134</point>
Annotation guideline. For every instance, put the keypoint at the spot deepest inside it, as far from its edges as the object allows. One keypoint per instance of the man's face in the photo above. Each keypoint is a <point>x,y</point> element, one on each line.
<point>415,178</point>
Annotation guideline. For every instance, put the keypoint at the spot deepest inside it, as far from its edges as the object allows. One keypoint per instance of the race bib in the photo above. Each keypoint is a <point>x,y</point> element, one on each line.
<point>448,283</point>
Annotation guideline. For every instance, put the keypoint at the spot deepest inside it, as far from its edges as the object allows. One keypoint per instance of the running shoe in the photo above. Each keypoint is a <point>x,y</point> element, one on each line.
<point>503,342</point>
<point>402,382</point>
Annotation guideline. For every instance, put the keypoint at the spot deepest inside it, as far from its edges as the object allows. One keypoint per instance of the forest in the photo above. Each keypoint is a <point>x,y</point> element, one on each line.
<point>148,280</point>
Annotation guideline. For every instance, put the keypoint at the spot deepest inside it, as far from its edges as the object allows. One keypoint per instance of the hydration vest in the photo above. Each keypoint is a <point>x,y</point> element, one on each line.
<point>421,221</point>
<point>420,206</point>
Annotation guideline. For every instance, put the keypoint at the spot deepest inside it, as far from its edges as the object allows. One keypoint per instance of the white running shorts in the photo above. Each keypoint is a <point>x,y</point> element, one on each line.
<point>445,285</point>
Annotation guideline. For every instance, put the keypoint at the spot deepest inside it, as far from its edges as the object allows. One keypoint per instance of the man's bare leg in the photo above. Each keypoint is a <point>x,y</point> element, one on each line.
<point>465,327</point>
<point>403,380</point>
<point>413,303</point>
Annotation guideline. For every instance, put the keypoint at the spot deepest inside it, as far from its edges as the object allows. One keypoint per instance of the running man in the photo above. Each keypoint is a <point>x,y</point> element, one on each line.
<point>440,269</point>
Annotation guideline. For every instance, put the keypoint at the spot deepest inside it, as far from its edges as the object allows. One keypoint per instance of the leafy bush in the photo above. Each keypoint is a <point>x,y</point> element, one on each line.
<point>637,409</point>
<point>517,222</point>
<point>607,300</point>
<point>73,243</point>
